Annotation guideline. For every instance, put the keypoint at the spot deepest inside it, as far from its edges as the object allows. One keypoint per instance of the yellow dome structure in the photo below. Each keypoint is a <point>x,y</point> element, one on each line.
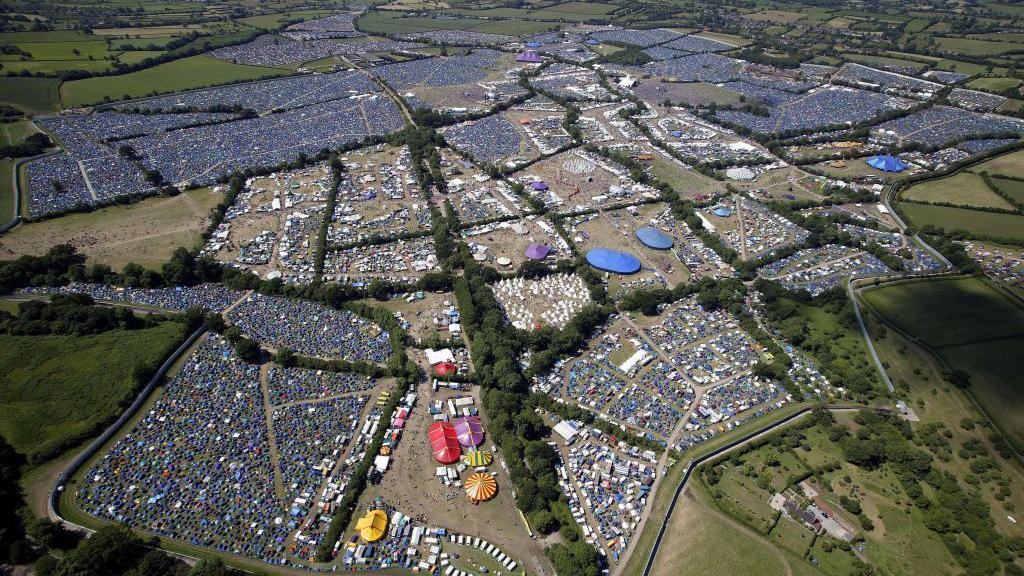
<point>481,487</point>
<point>371,527</point>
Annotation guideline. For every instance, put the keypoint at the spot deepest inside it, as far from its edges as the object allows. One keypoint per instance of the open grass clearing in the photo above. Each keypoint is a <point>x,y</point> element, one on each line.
<point>963,188</point>
<point>993,84</point>
<point>973,47</point>
<point>1012,188</point>
<point>988,224</point>
<point>30,95</point>
<point>59,388</point>
<point>972,325</point>
<point>146,232</point>
<point>1011,164</point>
<point>183,74</point>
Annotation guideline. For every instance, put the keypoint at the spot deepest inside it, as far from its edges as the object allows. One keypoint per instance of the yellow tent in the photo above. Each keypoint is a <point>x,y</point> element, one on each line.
<point>371,527</point>
<point>479,458</point>
<point>480,487</point>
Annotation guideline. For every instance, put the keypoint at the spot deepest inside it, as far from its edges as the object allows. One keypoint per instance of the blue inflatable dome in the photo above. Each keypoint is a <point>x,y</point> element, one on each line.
<point>612,261</point>
<point>654,238</point>
<point>722,212</point>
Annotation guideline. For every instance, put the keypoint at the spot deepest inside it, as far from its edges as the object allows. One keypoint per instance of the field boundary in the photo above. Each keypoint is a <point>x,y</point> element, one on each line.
<point>693,464</point>
<point>53,504</point>
<point>16,188</point>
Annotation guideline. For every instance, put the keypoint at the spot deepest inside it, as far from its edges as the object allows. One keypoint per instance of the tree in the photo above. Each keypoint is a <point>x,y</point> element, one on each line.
<point>247,350</point>
<point>543,521</point>
<point>285,357</point>
<point>109,551</point>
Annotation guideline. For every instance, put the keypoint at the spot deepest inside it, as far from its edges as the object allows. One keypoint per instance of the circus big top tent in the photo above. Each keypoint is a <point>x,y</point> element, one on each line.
<point>469,430</point>
<point>887,163</point>
<point>612,261</point>
<point>444,442</point>
<point>371,527</point>
<point>480,486</point>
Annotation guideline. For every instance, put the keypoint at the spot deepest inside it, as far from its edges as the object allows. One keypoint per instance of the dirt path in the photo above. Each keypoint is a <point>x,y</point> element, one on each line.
<point>268,411</point>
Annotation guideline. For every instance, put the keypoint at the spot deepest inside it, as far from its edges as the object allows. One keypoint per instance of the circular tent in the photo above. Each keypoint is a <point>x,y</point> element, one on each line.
<point>612,261</point>
<point>444,442</point>
<point>479,458</point>
<point>887,163</point>
<point>469,431</point>
<point>371,527</point>
<point>722,212</point>
<point>654,238</point>
<point>480,486</point>
<point>445,368</point>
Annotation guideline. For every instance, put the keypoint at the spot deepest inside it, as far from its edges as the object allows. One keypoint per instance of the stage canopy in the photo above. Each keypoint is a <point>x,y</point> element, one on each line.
<point>469,431</point>
<point>654,238</point>
<point>612,261</point>
<point>480,486</point>
<point>444,442</point>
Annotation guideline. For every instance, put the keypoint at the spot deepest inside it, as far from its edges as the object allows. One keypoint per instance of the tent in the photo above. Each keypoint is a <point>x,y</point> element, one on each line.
<point>654,238</point>
<point>444,442</point>
<point>539,186</point>
<point>371,527</point>
<point>886,163</point>
<point>479,458</point>
<point>480,486</point>
<point>469,431</point>
<point>445,369</point>
<point>537,251</point>
<point>533,44</point>
<point>722,212</point>
<point>529,57</point>
<point>612,261</point>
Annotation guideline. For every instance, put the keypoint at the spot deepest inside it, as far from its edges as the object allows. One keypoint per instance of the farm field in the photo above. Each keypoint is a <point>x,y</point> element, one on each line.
<point>146,232</point>
<point>30,95</point>
<point>996,225</point>
<point>57,389</point>
<point>174,76</point>
<point>964,189</point>
<point>1009,164</point>
<point>1012,188</point>
<point>971,325</point>
<point>993,84</point>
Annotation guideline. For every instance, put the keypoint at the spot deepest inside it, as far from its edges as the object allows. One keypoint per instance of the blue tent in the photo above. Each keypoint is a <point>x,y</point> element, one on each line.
<point>533,44</point>
<point>653,238</point>
<point>722,212</point>
<point>612,261</point>
<point>887,163</point>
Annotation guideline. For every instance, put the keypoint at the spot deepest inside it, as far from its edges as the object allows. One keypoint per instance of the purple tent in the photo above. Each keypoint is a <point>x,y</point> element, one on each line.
<point>469,430</point>
<point>537,251</point>
<point>539,186</point>
<point>529,57</point>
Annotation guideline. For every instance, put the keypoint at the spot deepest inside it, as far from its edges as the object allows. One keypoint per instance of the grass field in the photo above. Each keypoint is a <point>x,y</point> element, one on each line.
<point>1010,164</point>
<point>1012,188</point>
<point>6,193</point>
<point>963,188</point>
<point>971,325</point>
<point>30,95</point>
<point>58,388</point>
<point>146,232</point>
<point>973,47</point>
<point>991,224</point>
<point>12,133</point>
<point>183,74</point>
<point>993,84</point>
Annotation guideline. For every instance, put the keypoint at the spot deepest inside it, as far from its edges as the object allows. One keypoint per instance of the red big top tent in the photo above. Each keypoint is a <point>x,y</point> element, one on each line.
<point>444,442</point>
<point>445,368</point>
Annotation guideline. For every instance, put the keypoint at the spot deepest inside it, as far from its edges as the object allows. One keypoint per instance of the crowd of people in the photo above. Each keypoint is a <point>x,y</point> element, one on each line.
<point>309,328</point>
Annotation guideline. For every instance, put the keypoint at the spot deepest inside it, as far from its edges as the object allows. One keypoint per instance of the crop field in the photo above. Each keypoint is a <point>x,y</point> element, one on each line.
<point>30,95</point>
<point>971,325</point>
<point>184,74</point>
<point>146,232</point>
<point>57,389</point>
<point>964,189</point>
<point>991,224</point>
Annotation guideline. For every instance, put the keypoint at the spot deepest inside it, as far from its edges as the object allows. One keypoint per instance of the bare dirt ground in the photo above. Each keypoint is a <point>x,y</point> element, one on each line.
<point>146,232</point>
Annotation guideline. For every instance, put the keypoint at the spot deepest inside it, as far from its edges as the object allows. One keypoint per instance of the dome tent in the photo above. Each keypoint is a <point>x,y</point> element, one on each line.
<point>612,261</point>
<point>480,486</point>
<point>371,527</point>
<point>654,238</point>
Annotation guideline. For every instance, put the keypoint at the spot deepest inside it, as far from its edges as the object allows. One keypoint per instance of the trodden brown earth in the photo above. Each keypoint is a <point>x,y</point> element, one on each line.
<point>146,232</point>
